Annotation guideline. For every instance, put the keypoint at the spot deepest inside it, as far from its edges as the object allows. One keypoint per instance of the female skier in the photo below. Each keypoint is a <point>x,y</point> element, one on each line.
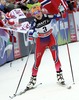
<point>42,33</point>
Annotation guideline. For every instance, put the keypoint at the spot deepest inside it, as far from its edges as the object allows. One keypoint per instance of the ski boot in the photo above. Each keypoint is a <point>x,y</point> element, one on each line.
<point>32,82</point>
<point>60,78</point>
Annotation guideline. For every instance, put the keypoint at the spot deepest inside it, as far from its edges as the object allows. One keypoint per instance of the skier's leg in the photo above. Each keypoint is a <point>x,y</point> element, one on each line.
<point>39,50</point>
<point>54,52</point>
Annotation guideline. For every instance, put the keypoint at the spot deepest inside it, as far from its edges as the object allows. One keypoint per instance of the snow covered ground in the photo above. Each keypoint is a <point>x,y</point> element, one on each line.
<point>49,90</point>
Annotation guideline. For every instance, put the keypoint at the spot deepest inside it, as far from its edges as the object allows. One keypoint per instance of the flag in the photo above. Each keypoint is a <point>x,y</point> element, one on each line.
<point>53,5</point>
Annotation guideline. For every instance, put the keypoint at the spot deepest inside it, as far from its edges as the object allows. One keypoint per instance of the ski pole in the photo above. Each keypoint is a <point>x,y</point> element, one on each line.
<point>68,50</point>
<point>23,70</point>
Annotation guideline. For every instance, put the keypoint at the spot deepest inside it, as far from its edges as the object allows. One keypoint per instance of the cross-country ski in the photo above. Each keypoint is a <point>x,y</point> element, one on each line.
<point>25,90</point>
<point>65,85</point>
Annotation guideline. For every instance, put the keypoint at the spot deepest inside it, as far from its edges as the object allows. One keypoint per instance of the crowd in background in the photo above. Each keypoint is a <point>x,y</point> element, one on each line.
<point>8,5</point>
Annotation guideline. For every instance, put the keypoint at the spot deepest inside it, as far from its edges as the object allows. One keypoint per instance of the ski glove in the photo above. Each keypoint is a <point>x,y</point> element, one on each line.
<point>61,9</point>
<point>30,35</point>
<point>35,34</point>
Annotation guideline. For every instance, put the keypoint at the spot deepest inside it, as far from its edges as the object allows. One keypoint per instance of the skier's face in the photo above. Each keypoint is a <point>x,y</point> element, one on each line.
<point>38,15</point>
<point>36,12</point>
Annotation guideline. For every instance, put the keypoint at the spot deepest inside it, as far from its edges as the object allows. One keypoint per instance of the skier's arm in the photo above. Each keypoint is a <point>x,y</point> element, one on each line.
<point>55,16</point>
<point>32,33</point>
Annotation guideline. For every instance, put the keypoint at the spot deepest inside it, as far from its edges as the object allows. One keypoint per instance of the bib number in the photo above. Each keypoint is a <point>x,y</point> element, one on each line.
<point>44,29</point>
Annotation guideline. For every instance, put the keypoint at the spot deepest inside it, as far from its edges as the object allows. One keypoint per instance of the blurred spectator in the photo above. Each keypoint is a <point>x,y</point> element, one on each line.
<point>3,6</point>
<point>72,4</point>
<point>29,1</point>
<point>10,5</point>
<point>32,1</point>
<point>23,3</point>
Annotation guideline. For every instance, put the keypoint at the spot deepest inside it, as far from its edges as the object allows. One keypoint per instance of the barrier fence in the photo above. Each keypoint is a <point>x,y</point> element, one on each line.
<point>10,51</point>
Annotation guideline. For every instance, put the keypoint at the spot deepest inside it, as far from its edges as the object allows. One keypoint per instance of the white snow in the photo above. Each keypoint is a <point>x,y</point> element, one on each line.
<point>49,90</point>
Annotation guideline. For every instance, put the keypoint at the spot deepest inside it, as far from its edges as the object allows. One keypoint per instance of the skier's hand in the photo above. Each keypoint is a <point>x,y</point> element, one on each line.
<point>61,9</point>
<point>35,34</point>
<point>30,35</point>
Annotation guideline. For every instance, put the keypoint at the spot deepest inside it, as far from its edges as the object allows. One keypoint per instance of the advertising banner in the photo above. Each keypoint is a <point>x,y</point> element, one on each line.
<point>25,45</point>
<point>4,38</point>
<point>63,35</point>
<point>9,52</point>
<point>76,18</point>
<point>17,53</point>
<point>72,28</point>
<point>10,48</point>
<point>2,52</point>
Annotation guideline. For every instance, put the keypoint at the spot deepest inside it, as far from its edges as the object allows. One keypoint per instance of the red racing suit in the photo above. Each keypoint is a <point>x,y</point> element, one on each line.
<point>44,40</point>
